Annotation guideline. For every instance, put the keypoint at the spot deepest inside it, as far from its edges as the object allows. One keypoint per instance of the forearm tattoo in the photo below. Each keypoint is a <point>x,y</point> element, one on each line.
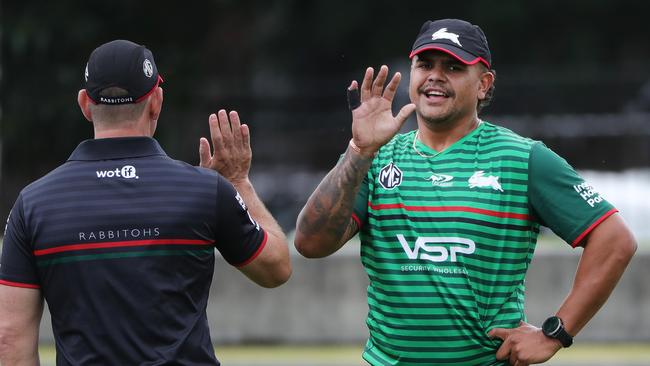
<point>329,210</point>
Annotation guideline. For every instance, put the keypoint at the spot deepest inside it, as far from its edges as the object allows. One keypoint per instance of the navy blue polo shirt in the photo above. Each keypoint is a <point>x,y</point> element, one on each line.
<point>120,240</point>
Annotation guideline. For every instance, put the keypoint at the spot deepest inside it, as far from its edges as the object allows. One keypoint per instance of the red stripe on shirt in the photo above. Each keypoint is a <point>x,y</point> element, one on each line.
<point>117,244</point>
<point>507,215</point>
<point>593,226</point>
<point>17,284</point>
<point>257,252</point>
<point>357,220</point>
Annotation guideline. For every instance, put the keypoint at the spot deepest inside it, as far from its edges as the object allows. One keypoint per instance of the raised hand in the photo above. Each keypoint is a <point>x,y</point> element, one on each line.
<point>373,123</point>
<point>232,149</point>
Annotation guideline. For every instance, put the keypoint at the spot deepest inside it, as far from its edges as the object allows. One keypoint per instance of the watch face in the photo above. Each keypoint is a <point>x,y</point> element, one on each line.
<point>551,325</point>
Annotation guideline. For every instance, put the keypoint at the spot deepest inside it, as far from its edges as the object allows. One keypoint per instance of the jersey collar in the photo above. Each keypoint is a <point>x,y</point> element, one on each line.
<point>116,148</point>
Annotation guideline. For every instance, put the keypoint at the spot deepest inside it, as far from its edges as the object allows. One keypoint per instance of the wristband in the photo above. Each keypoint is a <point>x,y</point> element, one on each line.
<point>356,148</point>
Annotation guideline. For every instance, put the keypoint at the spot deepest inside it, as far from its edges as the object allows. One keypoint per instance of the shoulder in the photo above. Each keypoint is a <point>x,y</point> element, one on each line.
<point>87,176</point>
<point>192,170</point>
<point>491,133</point>
<point>60,173</point>
<point>196,175</point>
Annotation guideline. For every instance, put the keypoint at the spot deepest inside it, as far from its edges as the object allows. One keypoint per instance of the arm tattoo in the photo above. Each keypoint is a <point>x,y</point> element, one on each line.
<point>327,214</point>
<point>350,231</point>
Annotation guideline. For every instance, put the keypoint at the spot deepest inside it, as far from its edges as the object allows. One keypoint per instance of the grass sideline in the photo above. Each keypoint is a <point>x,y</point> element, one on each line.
<point>621,354</point>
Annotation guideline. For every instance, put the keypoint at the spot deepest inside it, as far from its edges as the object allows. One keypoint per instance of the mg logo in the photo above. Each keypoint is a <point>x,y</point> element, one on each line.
<point>390,176</point>
<point>127,172</point>
<point>444,248</point>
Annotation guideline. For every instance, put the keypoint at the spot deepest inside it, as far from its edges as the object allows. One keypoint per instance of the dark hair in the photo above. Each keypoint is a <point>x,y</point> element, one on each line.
<point>488,95</point>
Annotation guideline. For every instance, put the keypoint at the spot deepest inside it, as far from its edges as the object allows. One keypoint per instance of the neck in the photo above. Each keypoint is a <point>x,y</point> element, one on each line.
<point>441,136</point>
<point>103,131</point>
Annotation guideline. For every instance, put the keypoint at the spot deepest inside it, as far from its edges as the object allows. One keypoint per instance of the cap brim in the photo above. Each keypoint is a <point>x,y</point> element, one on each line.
<point>94,97</point>
<point>159,81</point>
<point>460,54</point>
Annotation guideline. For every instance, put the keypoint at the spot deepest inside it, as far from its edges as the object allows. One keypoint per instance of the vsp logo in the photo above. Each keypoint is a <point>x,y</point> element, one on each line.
<point>390,176</point>
<point>127,172</point>
<point>449,251</point>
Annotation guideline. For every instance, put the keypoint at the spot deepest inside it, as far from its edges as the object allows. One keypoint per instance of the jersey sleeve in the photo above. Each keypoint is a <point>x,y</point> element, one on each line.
<point>17,263</point>
<point>239,238</point>
<point>360,209</point>
<point>561,199</point>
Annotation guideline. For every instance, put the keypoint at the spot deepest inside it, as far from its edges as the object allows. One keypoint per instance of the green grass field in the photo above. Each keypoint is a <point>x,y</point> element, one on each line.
<point>578,355</point>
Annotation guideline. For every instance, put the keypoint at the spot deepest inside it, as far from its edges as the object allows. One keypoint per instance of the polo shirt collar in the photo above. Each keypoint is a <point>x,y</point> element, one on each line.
<point>116,148</point>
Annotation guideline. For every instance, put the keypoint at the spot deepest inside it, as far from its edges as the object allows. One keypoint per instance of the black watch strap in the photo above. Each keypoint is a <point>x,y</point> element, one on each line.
<point>565,338</point>
<point>553,327</point>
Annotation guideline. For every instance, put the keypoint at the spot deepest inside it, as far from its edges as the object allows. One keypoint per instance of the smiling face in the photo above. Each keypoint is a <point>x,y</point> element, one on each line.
<point>445,90</point>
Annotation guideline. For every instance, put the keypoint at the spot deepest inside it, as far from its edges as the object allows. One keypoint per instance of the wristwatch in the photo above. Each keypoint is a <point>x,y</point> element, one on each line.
<point>554,328</point>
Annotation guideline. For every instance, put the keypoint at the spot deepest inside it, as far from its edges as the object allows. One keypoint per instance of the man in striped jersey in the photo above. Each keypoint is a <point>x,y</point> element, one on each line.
<point>120,239</point>
<point>449,214</point>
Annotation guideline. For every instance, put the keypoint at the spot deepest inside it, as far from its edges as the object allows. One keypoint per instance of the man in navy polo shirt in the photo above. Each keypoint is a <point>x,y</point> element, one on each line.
<point>120,239</point>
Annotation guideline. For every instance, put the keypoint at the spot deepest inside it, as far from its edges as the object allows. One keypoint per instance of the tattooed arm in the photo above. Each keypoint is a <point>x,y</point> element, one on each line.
<point>325,224</point>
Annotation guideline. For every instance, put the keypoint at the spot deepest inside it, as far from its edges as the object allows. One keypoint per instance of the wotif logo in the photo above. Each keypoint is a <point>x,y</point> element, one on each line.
<point>127,172</point>
<point>441,253</point>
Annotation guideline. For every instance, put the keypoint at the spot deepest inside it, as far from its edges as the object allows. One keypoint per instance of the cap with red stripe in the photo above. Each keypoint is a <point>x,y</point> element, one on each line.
<point>461,39</point>
<point>121,64</point>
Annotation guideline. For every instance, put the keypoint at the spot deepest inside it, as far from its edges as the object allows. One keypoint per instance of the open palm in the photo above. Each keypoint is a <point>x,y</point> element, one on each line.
<point>232,150</point>
<point>373,123</point>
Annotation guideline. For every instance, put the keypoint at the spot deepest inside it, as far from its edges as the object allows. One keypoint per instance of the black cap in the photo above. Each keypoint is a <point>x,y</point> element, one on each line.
<point>122,64</point>
<point>461,39</point>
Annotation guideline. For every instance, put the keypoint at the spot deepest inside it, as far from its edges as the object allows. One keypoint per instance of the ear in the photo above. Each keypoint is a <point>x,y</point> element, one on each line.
<point>84,103</point>
<point>486,80</point>
<point>155,103</point>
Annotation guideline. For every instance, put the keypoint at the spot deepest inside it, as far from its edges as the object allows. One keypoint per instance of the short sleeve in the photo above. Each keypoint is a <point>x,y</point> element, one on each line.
<point>360,209</point>
<point>561,199</point>
<point>239,238</point>
<point>17,263</point>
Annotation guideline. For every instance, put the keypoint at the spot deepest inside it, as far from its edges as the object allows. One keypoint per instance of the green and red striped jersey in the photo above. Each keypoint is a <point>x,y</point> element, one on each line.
<point>447,237</point>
